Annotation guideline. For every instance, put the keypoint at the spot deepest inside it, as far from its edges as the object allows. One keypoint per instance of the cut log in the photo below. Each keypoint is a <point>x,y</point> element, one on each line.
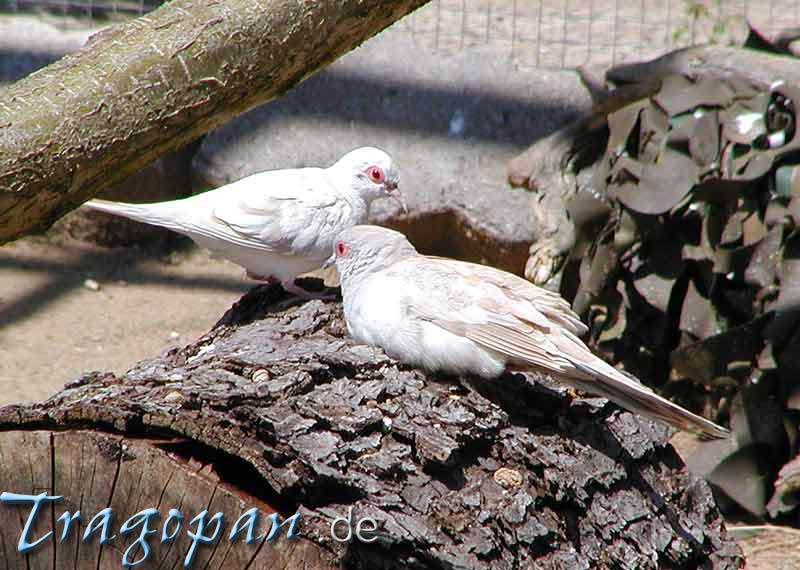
<point>276,409</point>
<point>93,471</point>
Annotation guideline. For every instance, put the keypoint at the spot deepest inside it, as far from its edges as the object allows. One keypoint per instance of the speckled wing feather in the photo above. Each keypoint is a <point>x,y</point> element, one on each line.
<point>495,309</point>
<point>521,294</point>
<point>535,329</point>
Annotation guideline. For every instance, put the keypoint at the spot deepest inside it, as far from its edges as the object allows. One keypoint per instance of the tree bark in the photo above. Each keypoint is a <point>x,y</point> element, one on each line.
<point>156,83</point>
<point>277,409</point>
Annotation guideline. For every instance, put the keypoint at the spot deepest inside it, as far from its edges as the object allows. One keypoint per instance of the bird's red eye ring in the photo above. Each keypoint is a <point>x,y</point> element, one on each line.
<point>341,248</point>
<point>376,174</point>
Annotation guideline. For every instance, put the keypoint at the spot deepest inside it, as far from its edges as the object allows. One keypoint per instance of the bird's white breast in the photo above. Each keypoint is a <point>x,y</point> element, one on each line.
<point>374,312</point>
<point>377,313</point>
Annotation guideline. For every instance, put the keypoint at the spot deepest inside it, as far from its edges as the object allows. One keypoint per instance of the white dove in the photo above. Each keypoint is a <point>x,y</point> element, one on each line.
<point>280,223</point>
<point>463,318</point>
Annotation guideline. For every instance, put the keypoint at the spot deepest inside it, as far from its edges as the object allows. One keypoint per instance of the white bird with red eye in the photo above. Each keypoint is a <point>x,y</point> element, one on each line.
<point>280,223</point>
<point>463,318</point>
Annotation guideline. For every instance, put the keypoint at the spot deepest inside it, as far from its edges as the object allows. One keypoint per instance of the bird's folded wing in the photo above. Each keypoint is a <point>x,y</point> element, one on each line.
<point>468,304</point>
<point>523,346</point>
<point>476,304</point>
<point>528,300</point>
<point>266,211</point>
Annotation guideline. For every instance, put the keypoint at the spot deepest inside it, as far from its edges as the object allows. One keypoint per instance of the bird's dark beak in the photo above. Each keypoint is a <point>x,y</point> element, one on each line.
<point>393,192</point>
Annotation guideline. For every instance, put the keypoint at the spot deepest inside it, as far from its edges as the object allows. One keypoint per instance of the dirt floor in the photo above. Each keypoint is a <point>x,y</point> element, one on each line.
<point>71,308</point>
<point>773,548</point>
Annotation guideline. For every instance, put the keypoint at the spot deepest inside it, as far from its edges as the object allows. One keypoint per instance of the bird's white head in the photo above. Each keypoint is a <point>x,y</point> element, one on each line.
<point>365,249</point>
<point>371,173</point>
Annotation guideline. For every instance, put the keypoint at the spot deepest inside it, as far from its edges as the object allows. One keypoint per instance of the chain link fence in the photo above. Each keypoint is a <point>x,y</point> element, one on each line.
<point>539,33</point>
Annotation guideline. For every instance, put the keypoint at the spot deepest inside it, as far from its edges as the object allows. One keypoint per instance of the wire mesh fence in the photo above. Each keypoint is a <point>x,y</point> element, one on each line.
<point>93,9</point>
<point>540,33</point>
<point>569,33</point>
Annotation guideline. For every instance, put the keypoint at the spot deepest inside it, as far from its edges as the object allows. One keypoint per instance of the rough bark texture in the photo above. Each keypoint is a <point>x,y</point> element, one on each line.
<point>276,406</point>
<point>152,85</point>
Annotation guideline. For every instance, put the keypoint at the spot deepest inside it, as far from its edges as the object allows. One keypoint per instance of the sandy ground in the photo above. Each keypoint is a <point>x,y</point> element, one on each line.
<point>772,549</point>
<point>54,325</point>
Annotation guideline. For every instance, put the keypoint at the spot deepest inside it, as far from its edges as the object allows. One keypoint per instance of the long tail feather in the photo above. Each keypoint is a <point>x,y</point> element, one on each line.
<point>607,381</point>
<point>153,214</point>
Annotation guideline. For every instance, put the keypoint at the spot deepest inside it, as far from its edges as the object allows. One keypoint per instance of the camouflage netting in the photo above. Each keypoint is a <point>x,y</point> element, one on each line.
<point>692,277</point>
<point>707,203</point>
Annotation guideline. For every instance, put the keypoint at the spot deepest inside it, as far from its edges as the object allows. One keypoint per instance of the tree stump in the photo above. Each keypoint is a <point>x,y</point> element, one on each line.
<point>276,409</point>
